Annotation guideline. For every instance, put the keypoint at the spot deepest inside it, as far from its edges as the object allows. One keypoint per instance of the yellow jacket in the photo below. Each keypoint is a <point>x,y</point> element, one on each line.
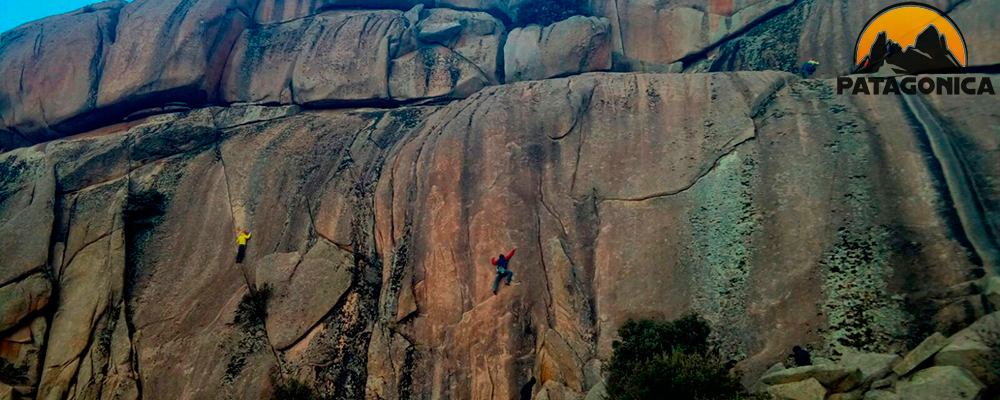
<point>242,239</point>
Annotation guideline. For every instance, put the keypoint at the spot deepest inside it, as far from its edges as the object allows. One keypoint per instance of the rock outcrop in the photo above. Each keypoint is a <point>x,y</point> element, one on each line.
<point>120,61</point>
<point>52,70</point>
<point>763,34</point>
<point>569,47</point>
<point>958,371</point>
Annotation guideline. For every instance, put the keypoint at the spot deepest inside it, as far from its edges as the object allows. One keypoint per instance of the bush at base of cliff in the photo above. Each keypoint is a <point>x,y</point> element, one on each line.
<point>548,12</point>
<point>657,359</point>
<point>295,390</point>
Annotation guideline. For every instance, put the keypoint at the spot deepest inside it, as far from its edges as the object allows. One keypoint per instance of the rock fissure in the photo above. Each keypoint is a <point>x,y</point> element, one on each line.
<point>960,184</point>
<point>691,59</point>
<point>550,313</point>
<point>87,244</point>
<point>686,187</point>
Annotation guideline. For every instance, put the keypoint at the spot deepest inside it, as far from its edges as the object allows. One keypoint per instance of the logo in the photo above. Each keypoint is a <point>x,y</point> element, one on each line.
<point>911,39</point>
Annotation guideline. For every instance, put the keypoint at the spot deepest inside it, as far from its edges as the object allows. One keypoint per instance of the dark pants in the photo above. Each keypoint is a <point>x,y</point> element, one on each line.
<point>242,251</point>
<point>501,273</point>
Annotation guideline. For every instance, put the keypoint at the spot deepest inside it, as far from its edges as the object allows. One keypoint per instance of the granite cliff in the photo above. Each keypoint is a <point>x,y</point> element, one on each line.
<point>382,152</point>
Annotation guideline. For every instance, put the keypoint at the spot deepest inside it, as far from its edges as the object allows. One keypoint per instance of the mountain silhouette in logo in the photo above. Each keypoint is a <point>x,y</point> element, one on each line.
<point>928,54</point>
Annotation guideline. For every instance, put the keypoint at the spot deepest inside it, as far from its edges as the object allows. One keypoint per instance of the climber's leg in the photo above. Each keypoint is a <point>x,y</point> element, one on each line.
<point>496,283</point>
<point>240,253</point>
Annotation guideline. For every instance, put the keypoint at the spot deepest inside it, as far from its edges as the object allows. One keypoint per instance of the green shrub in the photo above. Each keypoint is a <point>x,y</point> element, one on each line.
<point>251,337</point>
<point>547,12</point>
<point>654,360</point>
<point>295,390</point>
<point>143,210</point>
<point>140,214</point>
<point>252,309</point>
<point>11,374</point>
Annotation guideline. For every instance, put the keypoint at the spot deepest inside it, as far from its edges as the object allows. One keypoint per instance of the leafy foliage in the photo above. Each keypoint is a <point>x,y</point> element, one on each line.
<point>141,212</point>
<point>547,12</point>
<point>673,359</point>
<point>251,338</point>
<point>295,390</point>
<point>252,310</point>
<point>11,374</point>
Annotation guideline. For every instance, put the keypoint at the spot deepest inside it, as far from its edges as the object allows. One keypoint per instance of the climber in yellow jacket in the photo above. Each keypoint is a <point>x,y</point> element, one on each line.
<point>241,241</point>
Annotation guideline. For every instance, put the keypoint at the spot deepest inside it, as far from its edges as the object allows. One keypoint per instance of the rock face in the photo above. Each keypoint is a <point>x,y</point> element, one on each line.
<point>335,57</point>
<point>568,47</point>
<point>648,32</point>
<point>434,72</point>
<point>477,37</point>
<point>975,349</point>
<point>179,57</point>
<point>735,35</point>
<point>805,390</point>
<point>52,73</point>
<point>941,383</point>
<point>117,60</point>
<point>368,188</point>
<point>274,11</point>
<point>782,213</point>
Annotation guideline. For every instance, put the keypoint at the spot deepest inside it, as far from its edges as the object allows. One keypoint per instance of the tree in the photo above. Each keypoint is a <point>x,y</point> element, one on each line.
<point>673,359</point>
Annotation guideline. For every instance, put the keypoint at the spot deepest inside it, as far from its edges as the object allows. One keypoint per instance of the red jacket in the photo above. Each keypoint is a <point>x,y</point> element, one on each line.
<point>494,261</point>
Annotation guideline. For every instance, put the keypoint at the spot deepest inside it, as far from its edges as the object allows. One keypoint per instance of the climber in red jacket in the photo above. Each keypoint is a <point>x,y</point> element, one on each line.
<point>502,271</point>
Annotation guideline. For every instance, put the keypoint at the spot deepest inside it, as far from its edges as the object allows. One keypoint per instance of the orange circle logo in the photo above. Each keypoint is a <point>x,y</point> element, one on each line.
<point>910,38</point>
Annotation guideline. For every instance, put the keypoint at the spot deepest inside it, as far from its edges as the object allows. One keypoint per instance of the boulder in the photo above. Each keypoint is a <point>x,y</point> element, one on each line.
<point>975,349</point>
<point>261,63</point>
<point>838,378</point>
<point>434,72</point>
<point>809,389</point>
<point>927,349</point>
<point>54,68</point>
<point>498,8</point>
<point>6,392</point>
<point>873,366</point>
<point>598,392</point>
<point>51,70</point>
<point>885,383</point>
<point>940,383</point>
<point>881,395</point>
<point>438,32</point>
<point>573,46</point>
<point>20,298</point>
<point>476,36</point>
<point>333,57</point>
<point>276,11</point>
<point>990,288</point>
<point>169,51</point>
<point>349,59</point>
<point>759,386</point>
<point>856,394</point>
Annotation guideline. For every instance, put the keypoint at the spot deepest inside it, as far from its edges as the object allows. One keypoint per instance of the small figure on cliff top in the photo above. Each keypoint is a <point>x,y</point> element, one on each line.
<point>809,68</point>
<point>802,357</point>
<point>241,241</point>
<point>502,271</point>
